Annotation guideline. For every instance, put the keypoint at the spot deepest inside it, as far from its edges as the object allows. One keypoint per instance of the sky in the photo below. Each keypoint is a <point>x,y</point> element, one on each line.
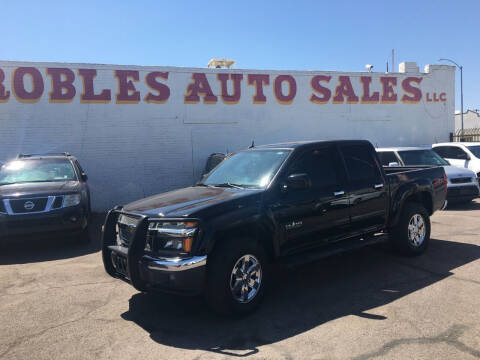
<point>286,35</point>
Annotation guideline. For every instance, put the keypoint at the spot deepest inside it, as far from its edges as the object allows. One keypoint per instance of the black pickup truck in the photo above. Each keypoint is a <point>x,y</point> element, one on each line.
<point>293,202</point>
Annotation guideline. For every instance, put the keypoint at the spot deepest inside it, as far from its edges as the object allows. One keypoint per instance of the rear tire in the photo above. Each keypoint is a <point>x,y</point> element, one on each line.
<point>236,276</point>
<point>412,234</point>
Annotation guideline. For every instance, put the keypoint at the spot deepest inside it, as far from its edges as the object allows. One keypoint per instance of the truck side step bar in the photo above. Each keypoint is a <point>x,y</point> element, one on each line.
<point>333,249</point>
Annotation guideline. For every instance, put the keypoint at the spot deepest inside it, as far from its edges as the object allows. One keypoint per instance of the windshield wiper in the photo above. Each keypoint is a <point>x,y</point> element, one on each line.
<point>35,181</point>
<point>205,185</point>
<point>7,183</point>
<point>231,185</point>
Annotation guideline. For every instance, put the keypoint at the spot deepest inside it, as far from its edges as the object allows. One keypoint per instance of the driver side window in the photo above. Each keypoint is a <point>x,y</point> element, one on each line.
<point>321,167</point>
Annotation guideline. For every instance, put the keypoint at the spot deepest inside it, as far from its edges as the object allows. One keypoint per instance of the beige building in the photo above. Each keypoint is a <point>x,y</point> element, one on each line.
<point>471,120</point>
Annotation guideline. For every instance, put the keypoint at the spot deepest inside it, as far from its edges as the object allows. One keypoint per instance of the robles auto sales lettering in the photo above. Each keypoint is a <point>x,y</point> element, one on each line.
<point>63,85</point>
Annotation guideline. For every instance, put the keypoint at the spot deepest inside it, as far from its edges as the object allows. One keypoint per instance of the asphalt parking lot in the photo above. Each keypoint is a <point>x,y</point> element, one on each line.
<point>58,303</point>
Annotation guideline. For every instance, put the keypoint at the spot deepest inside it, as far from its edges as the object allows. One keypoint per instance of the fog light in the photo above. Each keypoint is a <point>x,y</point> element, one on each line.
<point>73,219</point>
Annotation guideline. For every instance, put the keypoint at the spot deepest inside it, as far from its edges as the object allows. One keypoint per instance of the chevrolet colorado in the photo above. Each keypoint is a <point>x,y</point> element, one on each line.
<point>292,202</point>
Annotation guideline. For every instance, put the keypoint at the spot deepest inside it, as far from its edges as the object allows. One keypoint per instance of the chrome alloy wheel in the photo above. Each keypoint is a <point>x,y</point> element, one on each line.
<point>246,278</point>
<point>416,230</point>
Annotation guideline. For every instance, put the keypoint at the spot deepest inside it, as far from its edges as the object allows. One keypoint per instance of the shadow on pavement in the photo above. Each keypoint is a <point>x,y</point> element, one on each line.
<point>471,205</point>
<point>41,248</point>
<point>299,300</point>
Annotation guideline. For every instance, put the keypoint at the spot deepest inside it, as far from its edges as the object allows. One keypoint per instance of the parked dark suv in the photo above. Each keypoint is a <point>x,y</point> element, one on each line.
<point>44,194</point>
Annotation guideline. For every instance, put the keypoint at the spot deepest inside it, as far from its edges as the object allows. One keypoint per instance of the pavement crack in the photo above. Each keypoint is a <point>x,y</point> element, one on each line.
<point>22,339</point>
<point>57,287</point>
<point>450,336</point>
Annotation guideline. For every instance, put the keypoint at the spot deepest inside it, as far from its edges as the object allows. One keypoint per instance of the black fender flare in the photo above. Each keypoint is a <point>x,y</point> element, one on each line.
<point>419,190</point>
<point>254,226</point>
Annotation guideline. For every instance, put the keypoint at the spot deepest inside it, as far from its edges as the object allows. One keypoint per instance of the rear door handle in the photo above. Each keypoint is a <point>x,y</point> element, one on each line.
<point>378,186</point>
<point>338,193</point>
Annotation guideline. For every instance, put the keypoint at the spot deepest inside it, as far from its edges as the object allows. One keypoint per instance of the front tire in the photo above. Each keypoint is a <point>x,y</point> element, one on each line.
<point>236,277</point>
<point>412,233</point>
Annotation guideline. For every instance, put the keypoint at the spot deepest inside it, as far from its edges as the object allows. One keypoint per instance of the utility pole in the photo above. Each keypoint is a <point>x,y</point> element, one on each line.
<point>461,93</point>
<point>393,60</point>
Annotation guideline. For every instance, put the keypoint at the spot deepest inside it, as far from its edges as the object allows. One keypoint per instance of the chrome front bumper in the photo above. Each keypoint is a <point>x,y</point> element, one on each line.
<point>174,264</point>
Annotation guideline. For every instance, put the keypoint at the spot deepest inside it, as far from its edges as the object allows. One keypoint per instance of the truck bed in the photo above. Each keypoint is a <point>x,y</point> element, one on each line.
<point>432,177</point>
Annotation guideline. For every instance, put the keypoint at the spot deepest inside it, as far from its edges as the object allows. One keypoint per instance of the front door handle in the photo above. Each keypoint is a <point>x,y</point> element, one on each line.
<point>338,193</point>
<point>378,186</point>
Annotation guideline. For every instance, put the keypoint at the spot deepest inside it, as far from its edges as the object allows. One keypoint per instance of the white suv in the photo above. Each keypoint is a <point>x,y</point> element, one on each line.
<point>461,154</point>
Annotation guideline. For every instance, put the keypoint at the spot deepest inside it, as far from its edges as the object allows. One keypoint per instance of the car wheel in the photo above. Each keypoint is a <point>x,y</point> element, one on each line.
<point>236,277</point>
<point>412,234</point>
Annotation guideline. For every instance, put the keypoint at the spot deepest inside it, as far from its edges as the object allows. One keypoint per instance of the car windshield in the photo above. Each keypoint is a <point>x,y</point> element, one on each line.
<point>422,157</point>
<point>252,168</point>
<point>475,150</point>
<point>36,170</point>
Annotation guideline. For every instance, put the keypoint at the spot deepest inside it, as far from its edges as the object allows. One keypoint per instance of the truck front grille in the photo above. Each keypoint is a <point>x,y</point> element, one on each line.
<point>126,227</point>
<point>125,234</point>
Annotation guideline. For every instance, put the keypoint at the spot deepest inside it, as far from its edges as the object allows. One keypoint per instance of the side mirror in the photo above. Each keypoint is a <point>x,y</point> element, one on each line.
<point>393,164</point>
<point>84,177</point>
<point>298,182</point>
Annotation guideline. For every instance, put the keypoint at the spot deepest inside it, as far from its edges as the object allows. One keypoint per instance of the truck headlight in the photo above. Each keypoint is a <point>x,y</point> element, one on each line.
<point>171,236</point>
<point>71,200</point>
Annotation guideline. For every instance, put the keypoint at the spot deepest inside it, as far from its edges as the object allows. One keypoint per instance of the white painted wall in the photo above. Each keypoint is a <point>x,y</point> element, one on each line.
<point>134,150</point>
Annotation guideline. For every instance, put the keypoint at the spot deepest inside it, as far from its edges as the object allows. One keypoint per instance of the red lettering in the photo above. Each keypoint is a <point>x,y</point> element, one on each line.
<point>4,93</point>
<point>127,93</point>
<point>414,93</point>
<point>21,94</point>
<point>237,79</point>
<point>388,94</point>
<point>201,86</point>
<point>162,89</point>
<point>435,99</point>
<point>344,89</point>
<point>88,95</point>
<point>366,97</point>
<point>63,90</point>
<point>258,80</point>
<point>443,97</point>
<point>325,92</point>
<point>429,99</point>
<point>277,89</point>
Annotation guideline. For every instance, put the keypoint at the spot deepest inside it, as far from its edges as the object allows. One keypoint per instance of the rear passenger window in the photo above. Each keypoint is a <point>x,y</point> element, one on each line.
<point>442,151</point>
<point>387,157</point>
<point>361,166</point>
<point>321,165</point>
<point>455,152</point>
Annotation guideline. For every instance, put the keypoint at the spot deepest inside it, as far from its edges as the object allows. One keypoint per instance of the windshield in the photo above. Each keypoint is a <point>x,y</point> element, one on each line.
<point>253,168</point>
<point>36,170</point>
<point>422,157</point>
<point>475,150</point>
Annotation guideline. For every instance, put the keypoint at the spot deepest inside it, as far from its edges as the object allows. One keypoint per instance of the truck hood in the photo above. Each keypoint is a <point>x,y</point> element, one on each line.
<point>458,172</point>
<point>38,188</point>
<point>187,201</point>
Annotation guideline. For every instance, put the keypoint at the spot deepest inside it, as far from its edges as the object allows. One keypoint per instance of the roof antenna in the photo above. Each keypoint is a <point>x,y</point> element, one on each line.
<point>253,145</point>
